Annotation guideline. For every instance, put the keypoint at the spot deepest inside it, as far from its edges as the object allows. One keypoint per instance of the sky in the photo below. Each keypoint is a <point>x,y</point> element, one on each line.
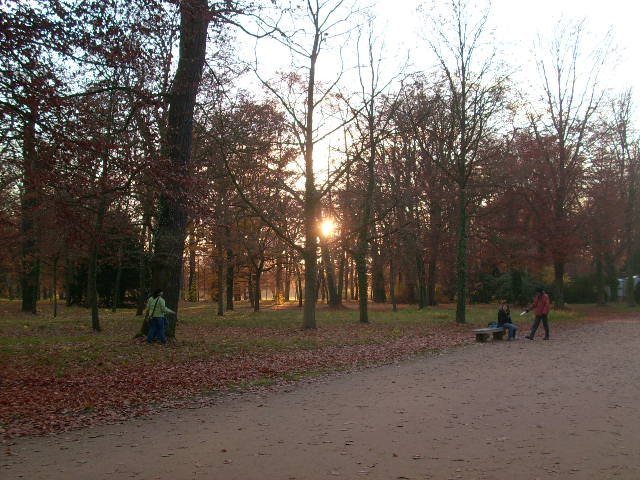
<point>518,23</point>
<point>515,26</point>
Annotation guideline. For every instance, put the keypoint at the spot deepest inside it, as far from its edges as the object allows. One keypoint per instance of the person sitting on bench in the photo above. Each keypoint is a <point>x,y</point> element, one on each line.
<point>504,321</point>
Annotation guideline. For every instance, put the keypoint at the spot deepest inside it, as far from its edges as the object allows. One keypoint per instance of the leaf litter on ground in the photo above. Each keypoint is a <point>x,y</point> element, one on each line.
<point>60,377</point>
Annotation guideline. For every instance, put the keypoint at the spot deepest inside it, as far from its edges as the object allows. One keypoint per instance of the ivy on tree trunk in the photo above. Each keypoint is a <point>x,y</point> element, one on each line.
<point>461,258</point>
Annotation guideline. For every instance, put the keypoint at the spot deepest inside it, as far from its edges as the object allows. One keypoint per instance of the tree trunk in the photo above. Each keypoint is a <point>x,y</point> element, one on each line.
<point>432,263</point>
<point>92,273</point>
<point>363,245</point>
<point>231,271</point>
<point>348,279</point>
<point>311,199</point>
<point>166,265</point>
<point>116,288</point>
<point>257,292</point>
<point>55,286</point>
<point>378,290</point>
<point>191,286</point>
<point>142,273</point>
<point>279,290</point>
<point>341,282</point>
<point>461,257</point>
<point>330,272</point>
<point>287,280</point>
<point>92,294</point>
<point>361,269</point>
<point>392,283</point>
<point>310,252</point>
<point>310,274</point>
<point>320,287</point>
<point>68,276</point>
<point>352,278</point>
<point>558,284</point>
<point>600,292</point>
<point>299,287</point>
<point>30,275</point>
<point>250,290</point>
<point>222,279</point>
<point>423,300</point>
<point>431,283</point>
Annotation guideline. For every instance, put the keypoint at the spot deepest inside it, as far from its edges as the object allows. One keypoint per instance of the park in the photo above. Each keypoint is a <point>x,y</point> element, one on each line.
<point>411,395</point>
<point>308,239</point>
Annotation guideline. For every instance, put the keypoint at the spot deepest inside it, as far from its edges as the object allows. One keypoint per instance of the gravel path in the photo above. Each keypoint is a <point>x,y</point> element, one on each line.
<point>564,409</point>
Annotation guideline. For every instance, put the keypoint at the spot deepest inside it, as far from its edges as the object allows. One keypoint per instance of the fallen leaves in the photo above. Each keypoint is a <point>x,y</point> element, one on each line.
<point>122,379</point>
<point>36,401</point>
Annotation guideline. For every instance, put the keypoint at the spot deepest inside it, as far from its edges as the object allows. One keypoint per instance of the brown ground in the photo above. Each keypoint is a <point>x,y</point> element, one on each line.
<point>567,408</point>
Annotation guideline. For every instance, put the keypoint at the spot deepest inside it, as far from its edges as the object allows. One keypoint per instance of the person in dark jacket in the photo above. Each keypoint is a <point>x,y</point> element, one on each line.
<point>504,321</point>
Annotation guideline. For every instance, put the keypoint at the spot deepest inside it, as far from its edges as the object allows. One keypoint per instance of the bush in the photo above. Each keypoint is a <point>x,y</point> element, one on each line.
<point>581,290</point>
<point>513,287</point>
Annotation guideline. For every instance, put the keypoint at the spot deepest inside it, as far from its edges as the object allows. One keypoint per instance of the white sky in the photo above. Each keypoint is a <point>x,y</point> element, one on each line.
<point>516,26</point>
<point>518,23</point>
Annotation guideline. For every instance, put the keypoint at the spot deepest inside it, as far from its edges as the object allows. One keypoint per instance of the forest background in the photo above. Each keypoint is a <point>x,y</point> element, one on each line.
<point>198,147</point>
<point>290,155</point>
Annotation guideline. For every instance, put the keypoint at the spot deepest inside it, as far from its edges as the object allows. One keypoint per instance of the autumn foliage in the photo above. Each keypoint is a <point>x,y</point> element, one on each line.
<point>57,376</point>
<point>142,147</point>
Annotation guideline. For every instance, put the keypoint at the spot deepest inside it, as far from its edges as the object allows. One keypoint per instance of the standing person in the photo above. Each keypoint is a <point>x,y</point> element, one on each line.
<point>157,310</point>
<point>540,306</point>
<point>504,321</point>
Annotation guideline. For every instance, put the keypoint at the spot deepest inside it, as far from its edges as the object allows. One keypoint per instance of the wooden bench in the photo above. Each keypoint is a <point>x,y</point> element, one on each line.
<point>482,334</point>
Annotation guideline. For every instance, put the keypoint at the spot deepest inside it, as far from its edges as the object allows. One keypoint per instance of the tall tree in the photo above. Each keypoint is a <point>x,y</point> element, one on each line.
<point>249,138</point>
<point>372,116</point>
<point>172,219</point>
<point>473,90</point>
<point>30,84</point>
<point>570,96</point>
<point>624,146</point>
<point>303,96</point>
<point>422,130</point>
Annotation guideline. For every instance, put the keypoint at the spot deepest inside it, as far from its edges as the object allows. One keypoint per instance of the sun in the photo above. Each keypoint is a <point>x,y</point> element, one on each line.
<point>327,227</point>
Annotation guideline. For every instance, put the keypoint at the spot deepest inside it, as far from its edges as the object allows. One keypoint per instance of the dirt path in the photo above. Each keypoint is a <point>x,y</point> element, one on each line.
<point>567,408</point>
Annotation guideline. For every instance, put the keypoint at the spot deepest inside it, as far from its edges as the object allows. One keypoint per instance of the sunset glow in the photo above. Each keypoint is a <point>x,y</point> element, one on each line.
<point>327,227</point>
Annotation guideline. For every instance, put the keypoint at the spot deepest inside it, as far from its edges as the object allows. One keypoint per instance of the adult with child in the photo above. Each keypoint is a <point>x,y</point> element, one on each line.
<point>541,306</point>
<point>504,321</point>
<point>156,311</point>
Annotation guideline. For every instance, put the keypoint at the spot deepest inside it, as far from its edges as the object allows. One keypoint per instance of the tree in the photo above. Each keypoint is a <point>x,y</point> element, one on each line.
<point>625,147</point>
<point>29,91</point>
<point>473,91</point>
<point>302,97</point>
<point>115,87</point>
<point>570,96</point>
<point>372,118</point>
<point>172,219</point>
<point>249,138</point>
<point>604,207</point>
<point>422,126</point>
<point>67,69</point>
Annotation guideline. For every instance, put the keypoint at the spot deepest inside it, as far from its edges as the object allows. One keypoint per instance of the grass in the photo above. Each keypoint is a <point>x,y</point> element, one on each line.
<point>90,378</point>
<point>67,342</point>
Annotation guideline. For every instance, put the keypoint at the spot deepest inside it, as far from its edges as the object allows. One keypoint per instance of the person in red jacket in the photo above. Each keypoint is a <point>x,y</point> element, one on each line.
<point>540,306</point>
